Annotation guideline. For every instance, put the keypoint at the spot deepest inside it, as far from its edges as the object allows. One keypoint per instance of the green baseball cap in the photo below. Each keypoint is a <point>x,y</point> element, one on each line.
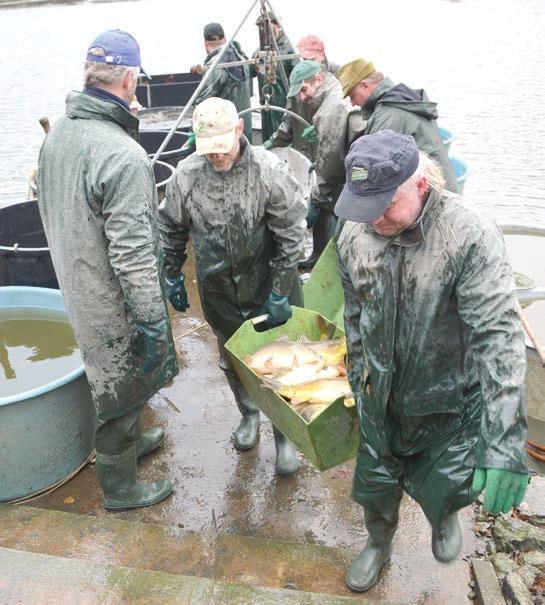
<point>304,70</point>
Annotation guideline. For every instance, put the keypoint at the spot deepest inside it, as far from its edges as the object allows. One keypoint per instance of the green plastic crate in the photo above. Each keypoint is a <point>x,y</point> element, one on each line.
<point>329,439</point>
<point>323,290</point>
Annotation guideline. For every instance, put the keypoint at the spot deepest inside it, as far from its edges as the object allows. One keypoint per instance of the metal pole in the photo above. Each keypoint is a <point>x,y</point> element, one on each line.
<point>281,24</point>
<point>522,229</point>
<point>274,108</point>
<point>280,64</point>
<point>201,85</point>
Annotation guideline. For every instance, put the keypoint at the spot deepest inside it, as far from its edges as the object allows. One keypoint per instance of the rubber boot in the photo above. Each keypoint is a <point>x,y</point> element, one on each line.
<point>365,568</point>
<point>322,232</point>
<point>148,440</point>
<point>246,434</point>
<point>117,477</point>
<point>446,540</point>
<point>287,461</point>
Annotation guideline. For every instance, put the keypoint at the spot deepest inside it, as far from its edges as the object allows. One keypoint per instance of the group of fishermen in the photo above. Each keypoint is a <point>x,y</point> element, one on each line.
<point>436,354</point>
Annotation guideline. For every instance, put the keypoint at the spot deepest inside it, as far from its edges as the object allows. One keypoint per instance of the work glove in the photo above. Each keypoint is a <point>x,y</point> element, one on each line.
<point>313,214</point>
<point>155,335</point>
<point>176,293</point>
<point>268,144</point>
<point>309,134</point>
<point>190,141</point>
<point>277,308</point>
<point>502,489</point>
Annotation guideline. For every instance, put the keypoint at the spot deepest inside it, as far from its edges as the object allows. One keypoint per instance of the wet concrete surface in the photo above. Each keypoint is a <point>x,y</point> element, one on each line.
<point>222,490</point>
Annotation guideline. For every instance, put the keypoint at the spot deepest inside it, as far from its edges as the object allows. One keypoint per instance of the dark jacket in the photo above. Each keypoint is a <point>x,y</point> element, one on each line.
<point>407,111</point>
<point>231,83</point>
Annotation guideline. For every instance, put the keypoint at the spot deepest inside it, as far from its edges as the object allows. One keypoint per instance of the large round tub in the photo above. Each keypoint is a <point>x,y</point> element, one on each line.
<point>48,432</point>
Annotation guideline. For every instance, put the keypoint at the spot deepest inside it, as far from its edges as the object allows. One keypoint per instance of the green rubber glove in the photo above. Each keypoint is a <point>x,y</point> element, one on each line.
<point>155,335</point>
<point>190,142</point>
<point>176,293</point>
<point>268,144</point>
<point>277,308</point>
<point>309,134</point>
<point>502,489</point>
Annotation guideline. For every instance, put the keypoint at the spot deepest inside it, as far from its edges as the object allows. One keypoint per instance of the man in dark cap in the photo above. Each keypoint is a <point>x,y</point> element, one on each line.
<point>231,83</point>
<point>98,203</point>
<point>389,106</point>
<point>436,354</point>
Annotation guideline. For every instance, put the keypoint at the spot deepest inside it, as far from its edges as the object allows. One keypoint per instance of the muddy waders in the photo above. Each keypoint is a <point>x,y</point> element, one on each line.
<point>118,442</point>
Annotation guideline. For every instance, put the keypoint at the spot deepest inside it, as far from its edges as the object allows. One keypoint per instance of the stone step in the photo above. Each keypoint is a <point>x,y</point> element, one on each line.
<point>36,578</point>
<point>219,557</point>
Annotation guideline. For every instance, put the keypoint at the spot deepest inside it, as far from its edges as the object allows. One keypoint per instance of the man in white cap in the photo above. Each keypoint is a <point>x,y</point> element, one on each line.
<point>245,214</point>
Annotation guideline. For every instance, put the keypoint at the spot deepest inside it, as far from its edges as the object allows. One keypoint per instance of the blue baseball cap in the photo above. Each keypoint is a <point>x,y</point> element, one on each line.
<point>118,48</point>
<point>376,165</point>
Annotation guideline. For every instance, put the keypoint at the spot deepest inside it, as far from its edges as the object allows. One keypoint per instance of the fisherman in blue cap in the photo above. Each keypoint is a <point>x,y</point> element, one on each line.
<point>98,203</point>
<point>436,354</point>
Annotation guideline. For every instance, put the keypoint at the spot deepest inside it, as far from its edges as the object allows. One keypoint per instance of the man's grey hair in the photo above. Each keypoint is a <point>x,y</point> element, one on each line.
<point>427,167</point>
<point>96,74</point>
<point>375,78</point>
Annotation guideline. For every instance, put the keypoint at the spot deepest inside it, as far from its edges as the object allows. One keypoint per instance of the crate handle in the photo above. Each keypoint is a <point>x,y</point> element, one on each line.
<point>259,319</point>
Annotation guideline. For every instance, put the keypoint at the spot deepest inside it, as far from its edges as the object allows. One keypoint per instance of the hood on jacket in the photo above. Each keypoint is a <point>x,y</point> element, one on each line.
<point>238,72</point>
<point>409,99</point>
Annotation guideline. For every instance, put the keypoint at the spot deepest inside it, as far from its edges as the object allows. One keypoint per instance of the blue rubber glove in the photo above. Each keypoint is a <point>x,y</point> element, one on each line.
<point>313,214</point>
<point>155,343</point>
<point>309,134</point>
<point>176,293</point>
<point>502,489</point>
<point>190,142</point>
<point>268,144</point>
<point>278,309</point>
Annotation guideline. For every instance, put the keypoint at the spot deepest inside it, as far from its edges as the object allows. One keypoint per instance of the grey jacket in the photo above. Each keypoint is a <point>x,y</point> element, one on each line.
<point>247,229</point>
<point>98,204</point>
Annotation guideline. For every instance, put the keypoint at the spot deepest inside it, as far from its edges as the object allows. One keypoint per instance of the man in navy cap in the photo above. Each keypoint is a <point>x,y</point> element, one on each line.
<point>230,83</point>
<point>436,355</point>
<point>98,203</point>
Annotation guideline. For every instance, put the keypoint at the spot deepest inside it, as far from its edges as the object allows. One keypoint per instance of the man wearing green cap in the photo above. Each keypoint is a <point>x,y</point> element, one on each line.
<point>389,106</point>
<point>322,93</point>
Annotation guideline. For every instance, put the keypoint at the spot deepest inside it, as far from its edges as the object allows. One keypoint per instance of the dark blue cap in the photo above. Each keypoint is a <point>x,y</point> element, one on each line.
<point>119,48</point>
<point>376,165</point>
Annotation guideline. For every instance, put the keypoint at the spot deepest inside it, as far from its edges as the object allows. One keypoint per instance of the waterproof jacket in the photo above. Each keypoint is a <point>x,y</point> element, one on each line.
<point>430,320</point>
<point>98,204</point>
<point>271,120</point>
<point>247,228</point>
<point>331,123</point>
<point>231,83</point>
<point>407,111</point>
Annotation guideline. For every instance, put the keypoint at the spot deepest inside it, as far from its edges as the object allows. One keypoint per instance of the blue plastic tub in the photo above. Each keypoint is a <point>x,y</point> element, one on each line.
<point>48,432</point>
<point>461,171</point>
<point>447,137</point>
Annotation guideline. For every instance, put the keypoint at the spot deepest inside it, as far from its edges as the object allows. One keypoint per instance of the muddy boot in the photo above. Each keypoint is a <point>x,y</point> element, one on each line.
<point>446,540</point>
<point>245,436</point>
<point>117,477</point>
<point>365,568</point>
<point>322,232</point>
<point>287,461</point>
<point>148,440</point>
